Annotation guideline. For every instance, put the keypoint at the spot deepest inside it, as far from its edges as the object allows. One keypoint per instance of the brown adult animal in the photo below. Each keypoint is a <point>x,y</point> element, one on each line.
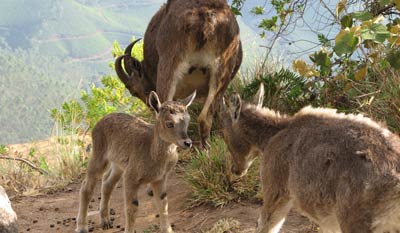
<point>139,152</point>
<point>8,218</point>
<point>188,45</point>
<point>341,171</point>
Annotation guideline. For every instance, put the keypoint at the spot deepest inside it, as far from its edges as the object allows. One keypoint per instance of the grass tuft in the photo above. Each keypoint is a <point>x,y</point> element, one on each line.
<point>225,225</point>
<point>209,175</point>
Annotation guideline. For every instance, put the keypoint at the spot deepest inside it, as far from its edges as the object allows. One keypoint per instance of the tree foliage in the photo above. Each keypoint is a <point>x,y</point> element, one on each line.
<point>80,115</point>
<point>357,69</point>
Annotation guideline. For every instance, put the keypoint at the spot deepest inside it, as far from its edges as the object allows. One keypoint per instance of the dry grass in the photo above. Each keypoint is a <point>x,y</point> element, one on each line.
<point>225,225</point>
<point>378,96</point>
<point>61,158</point>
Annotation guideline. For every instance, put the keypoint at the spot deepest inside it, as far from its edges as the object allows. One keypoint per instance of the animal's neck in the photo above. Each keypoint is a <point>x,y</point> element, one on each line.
<point>161,149</point>
<point>260,125</point>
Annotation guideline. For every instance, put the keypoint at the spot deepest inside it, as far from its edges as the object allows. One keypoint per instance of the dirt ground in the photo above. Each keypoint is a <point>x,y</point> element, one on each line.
<point>56,212</point>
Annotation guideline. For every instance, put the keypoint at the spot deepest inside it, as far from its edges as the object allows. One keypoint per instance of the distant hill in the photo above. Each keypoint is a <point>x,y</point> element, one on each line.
<point>78,30</point>
<point>52,49</point>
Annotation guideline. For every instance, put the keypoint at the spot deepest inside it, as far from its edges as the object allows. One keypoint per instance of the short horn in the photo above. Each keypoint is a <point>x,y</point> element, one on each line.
<point>130,63</point>
<point>122,75</point>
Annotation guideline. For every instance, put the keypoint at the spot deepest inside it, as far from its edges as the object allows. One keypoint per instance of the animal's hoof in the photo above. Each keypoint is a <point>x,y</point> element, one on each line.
<point>81,231</point>
<point>107,225</point>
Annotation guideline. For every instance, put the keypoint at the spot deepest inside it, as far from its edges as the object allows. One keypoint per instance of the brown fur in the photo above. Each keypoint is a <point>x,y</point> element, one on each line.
<point>341,171</point>
<point>188,45</point>
<point>139,152</point>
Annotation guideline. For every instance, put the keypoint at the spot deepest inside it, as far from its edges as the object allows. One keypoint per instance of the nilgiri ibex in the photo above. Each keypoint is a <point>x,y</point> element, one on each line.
<point>341,171</point>
<point>139,152</point>
<point>188,45</point>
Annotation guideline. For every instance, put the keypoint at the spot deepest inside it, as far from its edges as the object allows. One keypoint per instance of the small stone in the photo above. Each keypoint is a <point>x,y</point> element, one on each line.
<point>34,221</point>
<point>51,225</point>
<point>56,209</point>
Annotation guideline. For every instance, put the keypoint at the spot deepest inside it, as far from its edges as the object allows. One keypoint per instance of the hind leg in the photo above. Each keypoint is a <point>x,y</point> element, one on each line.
<point>273,213</point>
<point>352,219</point>
<point>95,170</point>
<point>108,185</point>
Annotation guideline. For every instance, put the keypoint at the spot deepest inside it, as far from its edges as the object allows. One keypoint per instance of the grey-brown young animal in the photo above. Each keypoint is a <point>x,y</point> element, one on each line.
<point>188,45</point>
<point>139,152</point>
<point>341,171</point>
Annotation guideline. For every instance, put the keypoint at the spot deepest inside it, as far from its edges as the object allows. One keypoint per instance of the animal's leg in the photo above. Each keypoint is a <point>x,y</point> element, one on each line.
<point>131,200</point>
<point>95,169</point>
<point>161,202</point>
<point>219,81</point>
<point>167,77</point>
<point>107,187</point>
<point>355,221</point>
<point>273,212</point>
<point>205,117</point>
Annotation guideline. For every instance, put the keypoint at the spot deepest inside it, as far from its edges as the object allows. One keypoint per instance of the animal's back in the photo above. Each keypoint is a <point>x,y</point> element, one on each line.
<point>121,134</point>
<point>339,162</point>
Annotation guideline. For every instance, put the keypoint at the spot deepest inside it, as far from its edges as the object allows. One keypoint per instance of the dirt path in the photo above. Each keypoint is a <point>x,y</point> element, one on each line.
<point>56,212</point>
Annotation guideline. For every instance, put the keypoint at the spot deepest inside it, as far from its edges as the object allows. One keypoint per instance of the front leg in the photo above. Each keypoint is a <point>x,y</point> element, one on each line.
<point>161,202</point>
<point>131,201</point>
<point>167,77</point>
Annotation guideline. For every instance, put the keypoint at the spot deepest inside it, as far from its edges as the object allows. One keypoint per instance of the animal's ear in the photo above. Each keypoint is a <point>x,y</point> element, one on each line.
<point>258,98</point>
<point>154,102</point>
<point>188,100</point>
<point>235,105</point>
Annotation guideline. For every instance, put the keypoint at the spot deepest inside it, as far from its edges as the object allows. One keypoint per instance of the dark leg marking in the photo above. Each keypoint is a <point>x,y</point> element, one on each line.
<point>150,192</point>
<point>135,202</point>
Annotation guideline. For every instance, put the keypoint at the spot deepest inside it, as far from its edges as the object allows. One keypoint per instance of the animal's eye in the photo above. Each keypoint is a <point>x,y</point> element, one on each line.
<point>169,125</point>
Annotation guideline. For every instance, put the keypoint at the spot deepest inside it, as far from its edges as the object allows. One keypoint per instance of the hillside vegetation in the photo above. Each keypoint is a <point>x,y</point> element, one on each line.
<point>53,49</point>
<point>30,84</point>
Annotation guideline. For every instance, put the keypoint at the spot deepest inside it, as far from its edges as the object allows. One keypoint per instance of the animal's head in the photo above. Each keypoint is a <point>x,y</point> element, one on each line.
<point>241,149</point>
<point>134,78</point>
<point>172,119</point>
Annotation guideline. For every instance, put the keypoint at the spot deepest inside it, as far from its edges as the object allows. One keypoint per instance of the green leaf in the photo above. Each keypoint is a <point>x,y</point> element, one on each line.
<point>346,42</point>
<point>258,10</point>
<point>384,2</point>
<point>269,24</point>
<point>376,32</point>
<point>43,164</point>
<point>3,149</point>
<point>362,15</point>
<point>322,60</point>
<point>236,11</point>
<point>394,59</point>
<point>346,21</point>
<point>323,40</point>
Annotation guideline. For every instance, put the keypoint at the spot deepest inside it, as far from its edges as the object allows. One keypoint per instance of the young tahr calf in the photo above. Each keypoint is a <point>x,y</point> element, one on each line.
<point>139,152</point>
<point>341,171</point>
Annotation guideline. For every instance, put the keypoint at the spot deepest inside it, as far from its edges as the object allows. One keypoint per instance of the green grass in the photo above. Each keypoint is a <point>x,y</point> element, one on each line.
<point>209,175</point>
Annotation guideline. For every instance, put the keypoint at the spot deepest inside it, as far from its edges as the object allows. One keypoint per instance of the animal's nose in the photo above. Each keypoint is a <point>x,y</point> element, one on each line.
<point>188,143</point>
